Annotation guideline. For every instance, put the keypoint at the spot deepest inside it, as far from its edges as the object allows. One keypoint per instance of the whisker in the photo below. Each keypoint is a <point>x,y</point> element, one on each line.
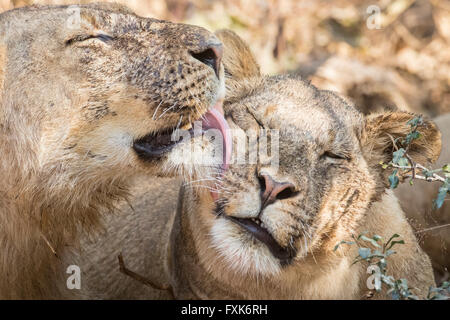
<point>168,109</point>
<point>154,113</point>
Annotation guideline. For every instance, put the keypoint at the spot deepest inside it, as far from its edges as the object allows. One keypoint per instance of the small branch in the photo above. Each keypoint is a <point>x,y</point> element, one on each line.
<point>434,228</point>
<point>393,141</point>
<point>142,279</point>
<point>413,165</point>
<point>49,245</point>
<point>429,179</point>
<point>435,176</point>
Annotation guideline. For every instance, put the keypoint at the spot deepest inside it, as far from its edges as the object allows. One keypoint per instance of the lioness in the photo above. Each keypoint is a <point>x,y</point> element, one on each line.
<point>267,233</point>
<point>89,97</point>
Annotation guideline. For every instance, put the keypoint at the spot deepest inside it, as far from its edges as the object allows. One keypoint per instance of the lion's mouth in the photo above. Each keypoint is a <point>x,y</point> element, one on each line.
<point>257,229</point>
<point>156,145</point>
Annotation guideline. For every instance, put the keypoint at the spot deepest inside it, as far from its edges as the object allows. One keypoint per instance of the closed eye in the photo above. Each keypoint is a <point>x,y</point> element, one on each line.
<point>80,38</point>
<point>331,155</point>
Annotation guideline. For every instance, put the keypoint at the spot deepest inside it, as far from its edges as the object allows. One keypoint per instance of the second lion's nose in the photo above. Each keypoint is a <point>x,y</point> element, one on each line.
<point>211,56</point>
<point>272,190</point>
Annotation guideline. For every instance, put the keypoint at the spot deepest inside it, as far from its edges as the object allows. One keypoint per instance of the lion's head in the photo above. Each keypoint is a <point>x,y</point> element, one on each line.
<point>93,92</point>
<point>271,215</point>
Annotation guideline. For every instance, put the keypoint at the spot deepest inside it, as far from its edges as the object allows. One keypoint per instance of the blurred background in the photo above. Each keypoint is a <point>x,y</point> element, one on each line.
<point>378,53</point>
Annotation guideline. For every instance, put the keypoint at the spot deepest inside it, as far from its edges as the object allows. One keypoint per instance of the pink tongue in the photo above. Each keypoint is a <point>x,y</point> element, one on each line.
<point>214,119</point>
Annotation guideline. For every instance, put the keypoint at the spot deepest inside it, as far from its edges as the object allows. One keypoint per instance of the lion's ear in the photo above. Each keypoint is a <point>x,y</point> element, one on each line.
<point>238,60</point>
<point>382,130</point>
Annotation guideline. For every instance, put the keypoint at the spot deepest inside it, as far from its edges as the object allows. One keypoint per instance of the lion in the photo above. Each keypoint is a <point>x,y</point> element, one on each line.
<point>90,97</point>
<point>267,231</point>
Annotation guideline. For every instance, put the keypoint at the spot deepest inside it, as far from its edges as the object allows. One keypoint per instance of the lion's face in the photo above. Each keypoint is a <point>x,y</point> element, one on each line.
<point>271,215</point>
<point>268,218</point>
<point>316,173</point>
<point>102,90</point>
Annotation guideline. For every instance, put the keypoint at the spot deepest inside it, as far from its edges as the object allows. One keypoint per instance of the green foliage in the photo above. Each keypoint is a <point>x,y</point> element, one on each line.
<point>394,180</point>
<point>443,191</point>
<point>378,256</point>
<point>402,164</point>
<point>440,293</point>
<point>398,155</point>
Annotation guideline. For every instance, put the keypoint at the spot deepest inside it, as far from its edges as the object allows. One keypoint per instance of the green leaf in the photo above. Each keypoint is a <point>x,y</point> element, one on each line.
<point>376,237</point>
<point>342,242</point>
<point>393,243</point>
<point>395,235</point>
<point>412,136</point>
<point>393,180</point>
<point>440,297</point>
<point>443,190</point>
<point>403,162</point>
<point>415,121</point>
<point>372,241</point>
<point>428,173</point>
<point>390,252</point>
<point>398,155</point>
<point>403,284</point>
<point>389,280</point>
<point>446,168</point>
<point>382,264</point>
<point>364,253</point>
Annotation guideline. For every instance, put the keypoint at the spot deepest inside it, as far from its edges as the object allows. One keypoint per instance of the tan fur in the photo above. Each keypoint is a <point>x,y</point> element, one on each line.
<point>71,106</point>
<point>2,73</point>
<point>240,62</point>
<point>209,257</point>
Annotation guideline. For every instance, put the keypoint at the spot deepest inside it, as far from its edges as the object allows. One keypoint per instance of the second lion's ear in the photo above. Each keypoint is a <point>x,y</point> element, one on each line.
<point>383,130</point>
<point>238,60</point>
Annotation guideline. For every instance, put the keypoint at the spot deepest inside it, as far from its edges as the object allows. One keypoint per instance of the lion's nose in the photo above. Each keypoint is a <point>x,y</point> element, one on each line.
<point>211,56</point>
<point>272,190</point>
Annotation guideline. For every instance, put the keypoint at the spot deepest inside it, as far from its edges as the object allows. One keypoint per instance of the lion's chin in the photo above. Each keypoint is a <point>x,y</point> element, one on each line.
<point>241,252</point>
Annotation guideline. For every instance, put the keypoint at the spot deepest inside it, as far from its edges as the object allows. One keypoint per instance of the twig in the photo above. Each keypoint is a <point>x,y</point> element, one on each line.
<point>434,177</point>
<point>142,279</point>
<point>393,141</point>
<point>413,165</point>
<point>49,245</point>
<point>433,228</point>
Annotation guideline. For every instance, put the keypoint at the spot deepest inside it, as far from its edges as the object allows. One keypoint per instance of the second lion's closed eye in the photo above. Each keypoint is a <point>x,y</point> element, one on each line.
<point>104,37</point>
<point>80,38</point>
<point>332,155</point>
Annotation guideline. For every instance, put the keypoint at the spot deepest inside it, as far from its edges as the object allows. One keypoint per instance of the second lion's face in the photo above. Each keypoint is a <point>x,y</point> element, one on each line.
<point>271,214</point>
